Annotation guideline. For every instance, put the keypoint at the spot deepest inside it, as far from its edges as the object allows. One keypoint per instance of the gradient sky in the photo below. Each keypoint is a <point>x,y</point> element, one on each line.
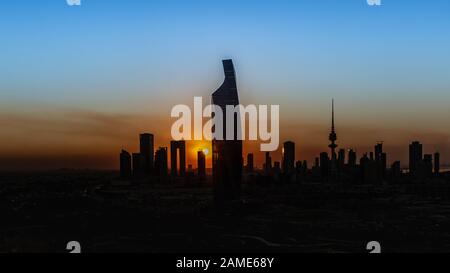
<point>77,84</point>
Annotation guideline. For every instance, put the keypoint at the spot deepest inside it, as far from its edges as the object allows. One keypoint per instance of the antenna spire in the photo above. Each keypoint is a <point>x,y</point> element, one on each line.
<point>332,115</point>
<point>333,136</point>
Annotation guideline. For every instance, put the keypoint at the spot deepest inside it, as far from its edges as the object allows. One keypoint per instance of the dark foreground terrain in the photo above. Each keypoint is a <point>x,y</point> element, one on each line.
<point>41,212</point>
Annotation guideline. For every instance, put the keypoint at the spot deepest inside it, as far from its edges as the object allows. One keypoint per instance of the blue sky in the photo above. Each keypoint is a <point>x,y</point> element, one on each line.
<point>331,44</point>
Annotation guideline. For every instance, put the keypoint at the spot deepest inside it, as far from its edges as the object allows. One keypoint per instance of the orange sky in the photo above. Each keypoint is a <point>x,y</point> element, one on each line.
<point>60,138</point>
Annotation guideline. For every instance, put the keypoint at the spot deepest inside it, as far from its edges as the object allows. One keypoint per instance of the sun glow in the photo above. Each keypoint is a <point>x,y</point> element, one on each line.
<point>203,146</point>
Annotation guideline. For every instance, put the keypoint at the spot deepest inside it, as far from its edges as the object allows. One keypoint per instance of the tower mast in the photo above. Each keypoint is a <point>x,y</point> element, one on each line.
<point>333,145</point>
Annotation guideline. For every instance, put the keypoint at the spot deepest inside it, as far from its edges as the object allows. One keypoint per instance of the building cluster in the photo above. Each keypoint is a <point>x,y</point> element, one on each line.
<point>371,168</point>
<point>343,166</point>
<point>149,163</point>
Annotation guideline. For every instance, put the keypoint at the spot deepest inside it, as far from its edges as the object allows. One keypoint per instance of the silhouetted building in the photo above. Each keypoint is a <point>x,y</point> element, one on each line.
<point>289,157</point>
<point>125,164</point>
<point>147,152</point>
<point>178,151</point>
<point>363,163</point>
<point>368,169</point>
<point>324,164</point>
<point>383,164</point>
<point>316,162</point>
<point>396,170</point>
<point>351,158</point>
<point>277,167</point>
<point>341,160</point>
<point>227,154</point>
<point>370,173</point>
<point>305,166</point>
<point>161,165</point>
<point>381,161</point>
<point>299,168</point>
<point>437,163</point>
<point>415,156</point>
<point>427,165</point>
<point>268,163</point>
<point>250,163</point>
<point>137,165</point>
<point>378,151</point>
<point>201,164</point>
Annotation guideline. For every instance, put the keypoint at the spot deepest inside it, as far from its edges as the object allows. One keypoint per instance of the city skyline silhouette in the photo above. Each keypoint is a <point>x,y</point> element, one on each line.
<point>342,166</point>
<point>81,110</point>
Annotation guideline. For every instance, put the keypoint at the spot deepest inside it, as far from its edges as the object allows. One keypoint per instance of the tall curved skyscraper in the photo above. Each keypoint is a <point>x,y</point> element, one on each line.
<point>227,154</point>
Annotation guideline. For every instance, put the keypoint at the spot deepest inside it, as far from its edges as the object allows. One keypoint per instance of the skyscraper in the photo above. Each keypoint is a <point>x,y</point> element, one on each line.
<point>368,170</point>
<point>137,165</point>
<point>396,170</point>
<point>147,152</point>
<point>201,164</point>
<point>277,167</point>
<point>415,156</point>
<point>268,163</point>
<point>289,157</point>
<point>427,165</point>
<point>316,162</point>
<point>299,168</point>
<point>351,158</point>
<point>333,137</point>
<point>227,154</point>
<point>305,166</point>
<point>324,164</point>
<point>437,163</point>
<point>161,166</point>
<point>378,150</point>
<point>178,151</point>
<point>250,163</point>
<point>125,164</point>
<point>341,160</point>
<point>363,165</point>
<point>381,161</point>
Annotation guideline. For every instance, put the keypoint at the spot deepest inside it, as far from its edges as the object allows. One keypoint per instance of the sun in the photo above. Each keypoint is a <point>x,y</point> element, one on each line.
<point>200,146</point>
